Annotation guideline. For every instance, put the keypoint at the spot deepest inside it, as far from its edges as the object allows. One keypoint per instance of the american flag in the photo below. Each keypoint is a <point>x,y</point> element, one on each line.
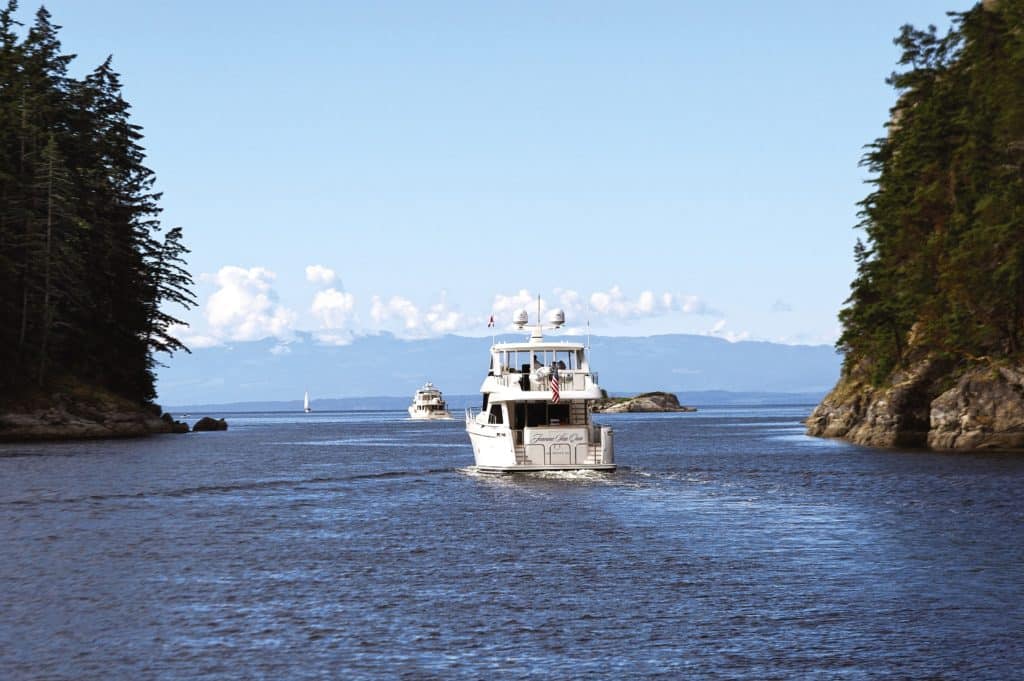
<point>554,386</point>
<point>490,321</point>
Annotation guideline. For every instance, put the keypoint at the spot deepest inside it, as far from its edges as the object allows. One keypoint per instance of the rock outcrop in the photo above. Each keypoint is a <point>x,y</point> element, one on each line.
<point>74,417</point>
<point>208,423</point>
<point>646,402</point>
<point>984,410</point>
<point>933,403</point>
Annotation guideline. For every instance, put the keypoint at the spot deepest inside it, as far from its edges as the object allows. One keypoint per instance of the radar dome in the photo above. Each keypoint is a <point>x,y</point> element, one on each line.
<point>520,318</point>
<point>556,317</point>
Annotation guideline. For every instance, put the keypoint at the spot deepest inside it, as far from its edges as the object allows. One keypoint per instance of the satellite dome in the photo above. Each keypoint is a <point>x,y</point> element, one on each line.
<point>520,318</point>
<point>556,317</point>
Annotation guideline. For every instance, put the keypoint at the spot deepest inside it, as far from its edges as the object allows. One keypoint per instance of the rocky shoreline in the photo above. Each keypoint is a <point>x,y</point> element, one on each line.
<point>72,417</point>
<point>933,403</point>
<point>653,402</point>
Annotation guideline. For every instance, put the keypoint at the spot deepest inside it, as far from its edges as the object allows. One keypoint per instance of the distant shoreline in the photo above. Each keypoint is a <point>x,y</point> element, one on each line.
<point>457,403</point>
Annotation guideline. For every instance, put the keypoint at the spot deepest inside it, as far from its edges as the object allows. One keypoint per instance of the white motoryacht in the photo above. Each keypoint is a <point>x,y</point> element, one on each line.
<point>428,403</point>
<point>536,407</point>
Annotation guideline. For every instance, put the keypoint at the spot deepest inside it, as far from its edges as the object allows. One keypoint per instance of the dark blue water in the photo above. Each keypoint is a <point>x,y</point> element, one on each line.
<point>361,545</point>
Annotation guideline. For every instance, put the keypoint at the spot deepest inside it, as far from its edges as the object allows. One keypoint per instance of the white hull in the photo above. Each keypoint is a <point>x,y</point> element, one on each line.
<point>553,448</point>
<point>422,415</point>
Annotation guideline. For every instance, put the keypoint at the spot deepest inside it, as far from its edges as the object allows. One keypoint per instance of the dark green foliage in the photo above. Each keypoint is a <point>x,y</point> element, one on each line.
<point>942,268</point>
<point>84,266</point>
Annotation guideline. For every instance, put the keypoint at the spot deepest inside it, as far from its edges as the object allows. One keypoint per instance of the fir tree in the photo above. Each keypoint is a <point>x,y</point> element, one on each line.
<point>942,267</point>
<point>84,267</point>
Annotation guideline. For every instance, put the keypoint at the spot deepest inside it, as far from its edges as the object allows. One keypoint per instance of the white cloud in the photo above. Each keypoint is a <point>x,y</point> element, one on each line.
<point>440,319</point>
<point>332,308</point>
<point>601,307</point>
<point>719,331</point>
<point>193,341</point>
<point>615,305</point>
<point>281,349</point>
<point>245,307</point>
<point>405,318</point>
<point>645,304</point>
<point>781,305</point>
<point>396,308</point>
<point>333,337</point>
<point>318,274</point>
<point>506,305</point>
<point>694,305</point>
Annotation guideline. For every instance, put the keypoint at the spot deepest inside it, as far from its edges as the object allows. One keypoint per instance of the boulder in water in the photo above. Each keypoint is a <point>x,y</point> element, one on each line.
<point>208,423</point>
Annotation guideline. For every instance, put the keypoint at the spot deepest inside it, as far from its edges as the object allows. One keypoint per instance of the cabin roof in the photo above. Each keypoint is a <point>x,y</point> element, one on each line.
<point>543,345</point>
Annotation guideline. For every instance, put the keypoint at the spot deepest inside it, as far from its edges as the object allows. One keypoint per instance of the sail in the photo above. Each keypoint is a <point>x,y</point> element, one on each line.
<point>305,402</point>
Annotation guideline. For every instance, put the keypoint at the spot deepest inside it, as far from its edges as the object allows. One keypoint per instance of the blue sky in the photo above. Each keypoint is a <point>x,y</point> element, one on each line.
<point>654,167</point>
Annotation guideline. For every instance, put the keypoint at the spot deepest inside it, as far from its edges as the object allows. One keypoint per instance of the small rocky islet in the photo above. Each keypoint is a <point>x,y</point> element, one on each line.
<point>652,402</point>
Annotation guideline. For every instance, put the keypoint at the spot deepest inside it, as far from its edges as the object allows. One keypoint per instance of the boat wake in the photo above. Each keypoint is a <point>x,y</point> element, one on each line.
<point>200,490</point>
<point>579,476</point>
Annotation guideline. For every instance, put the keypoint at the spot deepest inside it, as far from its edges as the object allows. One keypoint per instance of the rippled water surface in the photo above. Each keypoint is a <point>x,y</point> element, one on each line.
<point>362,545</point>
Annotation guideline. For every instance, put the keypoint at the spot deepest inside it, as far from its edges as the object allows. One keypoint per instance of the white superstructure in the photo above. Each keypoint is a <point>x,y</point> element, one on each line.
<point>428,403</point>
<point>536,408</point>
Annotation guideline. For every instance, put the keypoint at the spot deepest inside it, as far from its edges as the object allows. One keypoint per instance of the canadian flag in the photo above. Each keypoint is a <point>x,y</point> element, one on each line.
<point>490,321</point>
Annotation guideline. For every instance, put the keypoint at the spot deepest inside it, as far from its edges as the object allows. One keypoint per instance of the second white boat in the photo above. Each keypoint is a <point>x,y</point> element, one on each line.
<point>428,404</point>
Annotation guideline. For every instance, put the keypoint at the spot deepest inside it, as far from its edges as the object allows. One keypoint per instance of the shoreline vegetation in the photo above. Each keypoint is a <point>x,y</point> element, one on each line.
<point>652,402</point>
<point>933,330</point>
<point>87,272</point>
<point>76,411</point>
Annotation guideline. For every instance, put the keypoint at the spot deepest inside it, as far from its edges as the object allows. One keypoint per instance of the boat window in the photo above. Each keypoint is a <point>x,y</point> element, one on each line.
<point>566,359</point>
<point>558,414</point>
<point>495,412</point>
<point>512,360</point>
<point>536,414</point>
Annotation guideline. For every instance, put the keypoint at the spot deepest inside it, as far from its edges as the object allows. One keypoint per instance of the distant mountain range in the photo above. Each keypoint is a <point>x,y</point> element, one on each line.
<point>268,375</point>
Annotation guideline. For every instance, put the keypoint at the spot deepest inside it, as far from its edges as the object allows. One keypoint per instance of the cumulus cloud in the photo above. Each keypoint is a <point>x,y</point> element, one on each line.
<point>193,341</point>
<point>332,308</point>
<point>406,319</point>
<point>334,337</point>
<point>719,330</point>
<point>606,306</point>
<point>395,308</point>
<point>503,304</point>
<point>781,306</point>
<point>694,305</point>
<point>246,307</point>
<point>320,275</point>
<point>614,304</point>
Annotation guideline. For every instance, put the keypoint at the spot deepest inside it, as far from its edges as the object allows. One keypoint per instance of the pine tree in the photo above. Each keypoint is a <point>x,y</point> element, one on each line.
<point>942,268</point>
<point>84,272</point>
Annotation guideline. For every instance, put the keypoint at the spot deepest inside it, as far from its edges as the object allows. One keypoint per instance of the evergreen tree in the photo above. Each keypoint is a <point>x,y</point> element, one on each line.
<point>942,268</point>
<point>84,266</point>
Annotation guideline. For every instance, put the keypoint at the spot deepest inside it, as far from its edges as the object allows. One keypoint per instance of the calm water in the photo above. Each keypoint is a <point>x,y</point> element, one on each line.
<point>361,545</point>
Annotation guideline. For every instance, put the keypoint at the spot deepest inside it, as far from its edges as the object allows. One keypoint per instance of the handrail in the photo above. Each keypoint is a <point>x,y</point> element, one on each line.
<point>569,379</point>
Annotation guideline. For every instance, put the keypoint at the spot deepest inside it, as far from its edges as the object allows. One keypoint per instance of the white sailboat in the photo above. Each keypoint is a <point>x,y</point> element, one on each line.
<point>305,403</point>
